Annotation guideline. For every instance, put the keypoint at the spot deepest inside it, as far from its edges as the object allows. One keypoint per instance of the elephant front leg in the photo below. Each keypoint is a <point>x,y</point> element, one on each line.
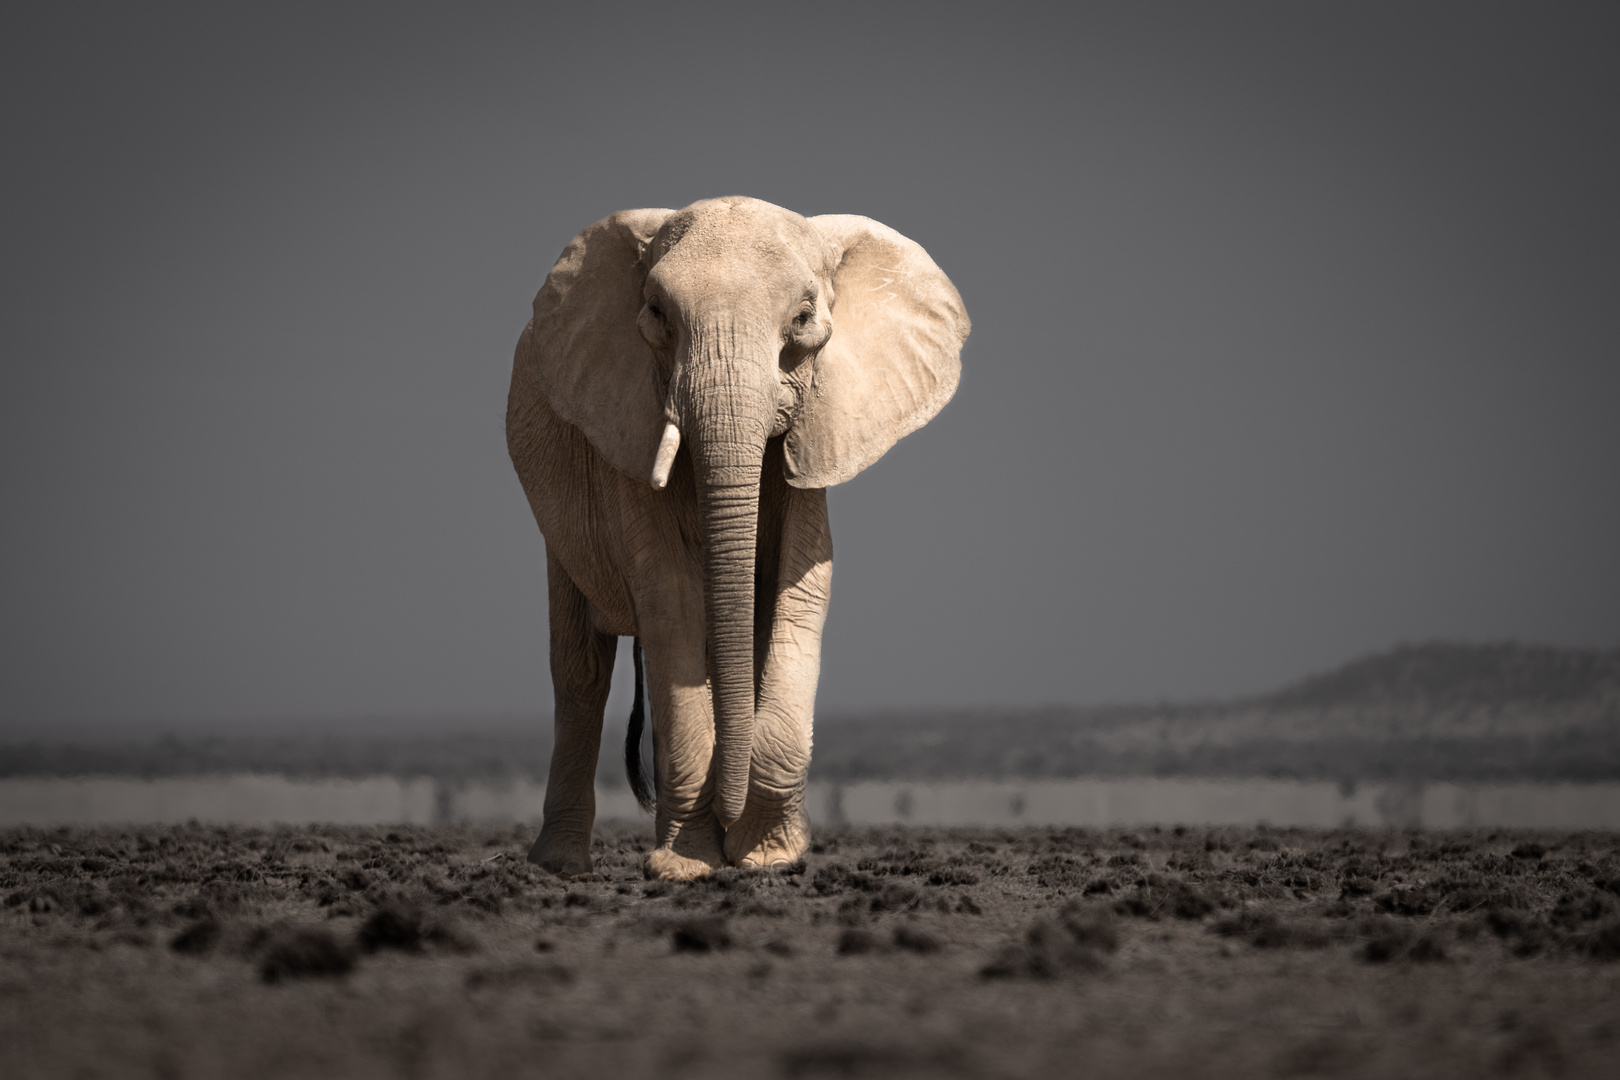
<point>688,834</point>
<point>581,675</point>
<point>774,830</point>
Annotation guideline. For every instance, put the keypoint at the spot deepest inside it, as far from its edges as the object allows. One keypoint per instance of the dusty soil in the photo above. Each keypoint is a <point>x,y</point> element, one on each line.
<point>431,952</point>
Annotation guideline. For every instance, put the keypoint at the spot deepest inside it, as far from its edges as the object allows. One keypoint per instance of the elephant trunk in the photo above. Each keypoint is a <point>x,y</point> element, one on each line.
<point>726,409</point>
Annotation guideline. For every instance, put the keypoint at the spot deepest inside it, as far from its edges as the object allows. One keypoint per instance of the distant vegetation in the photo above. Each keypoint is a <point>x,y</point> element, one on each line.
<point>1434,711</point>
<point>449,753</point>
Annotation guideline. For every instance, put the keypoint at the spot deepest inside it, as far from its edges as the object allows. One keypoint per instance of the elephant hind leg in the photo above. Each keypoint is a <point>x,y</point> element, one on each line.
<point>581,675</point>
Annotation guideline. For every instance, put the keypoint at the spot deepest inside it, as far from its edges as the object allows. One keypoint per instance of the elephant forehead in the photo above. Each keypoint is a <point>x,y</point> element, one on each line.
<point>736,245</point>
<point>732,274</point>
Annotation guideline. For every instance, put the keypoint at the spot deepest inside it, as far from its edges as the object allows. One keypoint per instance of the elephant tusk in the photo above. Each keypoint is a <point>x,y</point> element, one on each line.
<point>667,446</point>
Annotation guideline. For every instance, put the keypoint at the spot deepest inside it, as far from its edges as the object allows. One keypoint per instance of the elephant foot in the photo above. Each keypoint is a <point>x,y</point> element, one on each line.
<point>663,864</point>
<point>563,856</point>
<point>688,849</point>
<point>767,839</point>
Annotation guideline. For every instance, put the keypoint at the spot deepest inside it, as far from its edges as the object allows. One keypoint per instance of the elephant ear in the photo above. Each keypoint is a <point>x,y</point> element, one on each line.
<point>583,348</point>
<point>893,360</point>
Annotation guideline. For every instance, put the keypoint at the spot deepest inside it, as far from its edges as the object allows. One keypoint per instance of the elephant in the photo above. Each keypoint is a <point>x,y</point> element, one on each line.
<point>689,385</point>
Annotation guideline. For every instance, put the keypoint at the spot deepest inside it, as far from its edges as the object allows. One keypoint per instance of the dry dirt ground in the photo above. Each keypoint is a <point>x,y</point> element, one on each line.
<point>438,952</point>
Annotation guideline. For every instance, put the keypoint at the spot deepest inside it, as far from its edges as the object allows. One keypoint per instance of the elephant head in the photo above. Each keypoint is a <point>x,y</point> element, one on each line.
<point>716,328</point>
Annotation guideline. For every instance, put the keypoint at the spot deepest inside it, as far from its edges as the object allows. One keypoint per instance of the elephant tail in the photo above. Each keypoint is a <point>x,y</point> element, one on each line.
<point>639,785</point>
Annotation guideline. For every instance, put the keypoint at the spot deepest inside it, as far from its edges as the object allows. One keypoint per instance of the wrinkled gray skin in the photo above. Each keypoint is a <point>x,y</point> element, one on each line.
<point>784,354</point>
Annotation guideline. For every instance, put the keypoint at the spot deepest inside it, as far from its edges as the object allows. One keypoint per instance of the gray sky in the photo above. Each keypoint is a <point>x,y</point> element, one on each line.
<point>1294,337</point>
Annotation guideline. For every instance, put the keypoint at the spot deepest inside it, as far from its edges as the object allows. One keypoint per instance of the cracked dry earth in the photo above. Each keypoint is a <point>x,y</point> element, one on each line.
<point>438,952</point>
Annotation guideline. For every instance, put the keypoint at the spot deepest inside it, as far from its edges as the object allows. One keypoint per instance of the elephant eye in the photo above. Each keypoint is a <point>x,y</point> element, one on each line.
<point>806,312</point>
<point>654,325</point>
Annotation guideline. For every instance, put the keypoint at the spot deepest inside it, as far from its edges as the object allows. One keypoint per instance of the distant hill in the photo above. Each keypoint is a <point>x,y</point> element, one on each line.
<point>1435,711</point>
<point>1438,711</point>
<point>1453,677</point>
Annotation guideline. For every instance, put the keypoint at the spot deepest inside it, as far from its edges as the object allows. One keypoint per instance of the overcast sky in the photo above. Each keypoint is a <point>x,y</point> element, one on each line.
<point>1295,335</point>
